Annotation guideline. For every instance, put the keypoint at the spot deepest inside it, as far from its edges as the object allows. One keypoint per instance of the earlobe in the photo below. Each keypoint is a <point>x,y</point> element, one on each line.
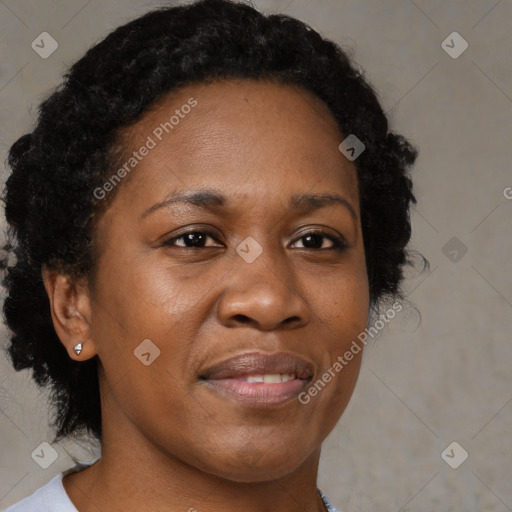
<point>70,308</point>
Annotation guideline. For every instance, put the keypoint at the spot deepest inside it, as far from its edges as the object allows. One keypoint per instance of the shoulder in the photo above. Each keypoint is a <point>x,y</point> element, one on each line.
<point>50,496</point>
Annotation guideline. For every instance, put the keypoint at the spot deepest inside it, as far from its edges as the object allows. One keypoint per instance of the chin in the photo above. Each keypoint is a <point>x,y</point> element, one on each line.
<point>256,474</point>
<point>252,466</point>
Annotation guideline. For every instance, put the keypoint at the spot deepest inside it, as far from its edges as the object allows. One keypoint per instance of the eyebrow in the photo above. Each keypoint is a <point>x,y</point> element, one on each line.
<point>213,200</point>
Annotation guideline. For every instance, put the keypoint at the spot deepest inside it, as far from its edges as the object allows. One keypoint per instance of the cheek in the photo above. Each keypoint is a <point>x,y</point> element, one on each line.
<point>142,323</point>
<point>342,303</point>
<point>144,299</point>
<point>350,314</point>
<point>145,309</point>
<point>341,307</point>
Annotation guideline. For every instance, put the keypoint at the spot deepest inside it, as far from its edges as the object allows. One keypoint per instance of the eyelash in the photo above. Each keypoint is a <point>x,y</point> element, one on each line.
<point>339,243</point>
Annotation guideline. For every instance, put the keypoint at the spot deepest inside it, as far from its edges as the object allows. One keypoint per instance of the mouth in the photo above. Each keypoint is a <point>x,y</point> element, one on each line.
<point>259,380</point>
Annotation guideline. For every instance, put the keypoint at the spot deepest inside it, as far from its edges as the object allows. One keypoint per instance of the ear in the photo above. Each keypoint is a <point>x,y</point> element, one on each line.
<point>70,307</point>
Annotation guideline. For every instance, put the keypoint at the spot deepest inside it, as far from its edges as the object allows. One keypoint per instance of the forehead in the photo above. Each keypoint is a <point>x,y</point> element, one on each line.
<point>237,135</point>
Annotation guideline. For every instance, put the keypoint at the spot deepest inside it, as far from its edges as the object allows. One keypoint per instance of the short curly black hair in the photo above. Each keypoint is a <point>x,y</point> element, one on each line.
<point>49,201</point>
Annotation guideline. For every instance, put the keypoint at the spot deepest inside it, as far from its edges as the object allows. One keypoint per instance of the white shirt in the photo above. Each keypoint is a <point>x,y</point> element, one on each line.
<point>52,497</point>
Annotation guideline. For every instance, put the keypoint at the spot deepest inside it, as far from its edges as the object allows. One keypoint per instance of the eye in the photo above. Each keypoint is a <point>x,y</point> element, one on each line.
<point>192,239</point>
<point>314,240</point>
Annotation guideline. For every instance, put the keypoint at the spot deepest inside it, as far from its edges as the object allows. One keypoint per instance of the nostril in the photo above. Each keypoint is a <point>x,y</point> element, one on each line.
<point>242,318</point>
<point>291,319</point>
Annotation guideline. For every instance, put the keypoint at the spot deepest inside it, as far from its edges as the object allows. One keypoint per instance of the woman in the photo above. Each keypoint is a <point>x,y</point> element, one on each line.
<point>204,218</point>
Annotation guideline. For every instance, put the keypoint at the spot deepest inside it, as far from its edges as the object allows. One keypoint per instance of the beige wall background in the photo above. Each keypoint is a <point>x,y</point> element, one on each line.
<point>423,384</point>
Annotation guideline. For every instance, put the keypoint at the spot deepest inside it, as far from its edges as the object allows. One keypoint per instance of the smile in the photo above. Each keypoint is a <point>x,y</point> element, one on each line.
<point>268,390</point>
<point>259,380</point>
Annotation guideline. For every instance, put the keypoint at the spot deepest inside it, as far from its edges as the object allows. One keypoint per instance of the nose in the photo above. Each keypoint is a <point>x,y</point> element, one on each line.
<point>264,295</point>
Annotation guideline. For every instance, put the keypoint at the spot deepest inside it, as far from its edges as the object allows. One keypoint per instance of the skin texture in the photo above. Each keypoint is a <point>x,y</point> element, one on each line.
<point>170,443</point>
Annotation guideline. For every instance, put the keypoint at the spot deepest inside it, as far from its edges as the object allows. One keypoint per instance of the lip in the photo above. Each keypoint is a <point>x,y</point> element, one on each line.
<point>258,363</point>
<point>229,378</point>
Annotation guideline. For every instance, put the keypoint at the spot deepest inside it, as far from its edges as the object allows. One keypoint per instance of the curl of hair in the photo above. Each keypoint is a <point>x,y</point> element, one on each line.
<point>49,201</point>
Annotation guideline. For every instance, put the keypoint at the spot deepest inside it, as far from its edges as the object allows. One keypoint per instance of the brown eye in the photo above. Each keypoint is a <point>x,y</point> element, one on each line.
<point>192,239</point>
<point>315,240</point>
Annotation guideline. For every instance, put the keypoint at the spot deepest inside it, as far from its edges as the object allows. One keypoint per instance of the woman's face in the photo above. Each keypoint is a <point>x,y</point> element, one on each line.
<point>184,285</point>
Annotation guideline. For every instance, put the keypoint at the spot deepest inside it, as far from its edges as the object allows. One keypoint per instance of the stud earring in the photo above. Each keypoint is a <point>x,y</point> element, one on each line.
<point>77,349</point>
